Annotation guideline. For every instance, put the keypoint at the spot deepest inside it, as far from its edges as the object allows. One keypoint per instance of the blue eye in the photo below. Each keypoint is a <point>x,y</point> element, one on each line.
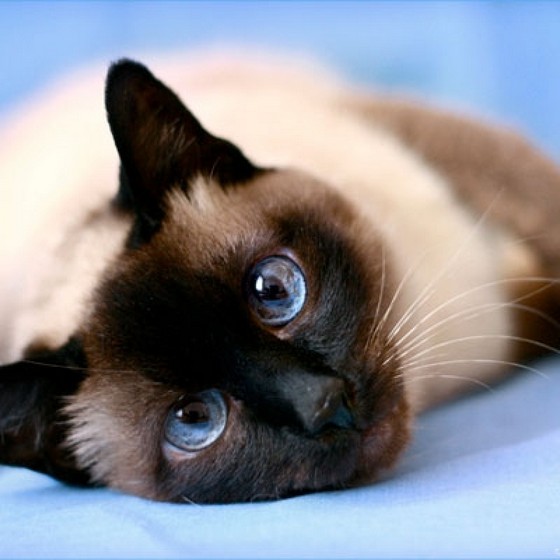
<point>196,421</point>
<point>277,290</point>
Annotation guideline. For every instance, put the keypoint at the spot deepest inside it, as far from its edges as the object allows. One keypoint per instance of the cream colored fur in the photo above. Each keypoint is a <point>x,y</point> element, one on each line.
<point>58,168</point>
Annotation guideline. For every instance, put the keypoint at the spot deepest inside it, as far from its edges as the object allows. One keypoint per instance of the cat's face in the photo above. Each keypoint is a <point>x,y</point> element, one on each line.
<point>203,385</point>
<point>238,348</point>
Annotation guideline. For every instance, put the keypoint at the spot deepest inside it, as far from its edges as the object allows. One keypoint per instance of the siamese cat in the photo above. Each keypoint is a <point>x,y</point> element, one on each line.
<point>271,288</point>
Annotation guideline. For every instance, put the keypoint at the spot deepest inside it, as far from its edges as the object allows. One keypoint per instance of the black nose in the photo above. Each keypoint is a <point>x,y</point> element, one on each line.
<point>321,404</point>
<point>291,387</point>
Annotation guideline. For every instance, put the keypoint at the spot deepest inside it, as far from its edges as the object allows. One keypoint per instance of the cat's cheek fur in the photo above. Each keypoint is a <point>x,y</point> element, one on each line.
<point>114,439</point>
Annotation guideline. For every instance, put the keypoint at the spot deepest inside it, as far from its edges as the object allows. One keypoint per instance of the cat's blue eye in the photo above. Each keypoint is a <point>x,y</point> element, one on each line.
<point>277,290</point>
<point>196,421</point>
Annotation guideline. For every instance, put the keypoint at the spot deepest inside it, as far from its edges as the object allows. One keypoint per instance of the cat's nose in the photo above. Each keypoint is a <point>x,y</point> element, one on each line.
<point>292,388</point>
<point>327,408</point>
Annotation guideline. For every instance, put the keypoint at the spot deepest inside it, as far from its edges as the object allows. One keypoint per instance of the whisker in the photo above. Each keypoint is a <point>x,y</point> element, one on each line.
<point>186,499</point>
<point>477,311</point>
<point>483,361</point>
<point>495,283</point>
<point>376,328</point>
<point>382,286</point>
<point>472,380</point>
<point>430,286</point>
<point>465,314</point>
<point>523,240</point>
<point>407,316</point>
<point>47,365</point>
<point>412,362</point>
<point>507,337</point>
<point>375,321</point>
<point>472,312</point>
<point>88,368</point>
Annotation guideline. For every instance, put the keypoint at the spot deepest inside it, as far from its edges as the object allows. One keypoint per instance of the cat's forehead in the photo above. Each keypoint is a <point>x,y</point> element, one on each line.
<point>275,209</point>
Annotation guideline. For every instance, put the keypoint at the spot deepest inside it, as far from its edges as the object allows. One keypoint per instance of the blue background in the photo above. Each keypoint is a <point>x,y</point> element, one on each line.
<point>482,477</point>
<point>500,59</point>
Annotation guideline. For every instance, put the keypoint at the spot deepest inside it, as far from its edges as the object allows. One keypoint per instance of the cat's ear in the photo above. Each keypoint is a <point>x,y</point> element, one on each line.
<point>160,143</point>
<point>32,425</point>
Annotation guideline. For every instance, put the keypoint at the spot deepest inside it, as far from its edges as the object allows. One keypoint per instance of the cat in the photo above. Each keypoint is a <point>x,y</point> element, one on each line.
<point>260,302</point>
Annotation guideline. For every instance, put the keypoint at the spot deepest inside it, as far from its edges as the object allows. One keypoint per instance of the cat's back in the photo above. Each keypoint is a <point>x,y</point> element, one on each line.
<point>57,167</point>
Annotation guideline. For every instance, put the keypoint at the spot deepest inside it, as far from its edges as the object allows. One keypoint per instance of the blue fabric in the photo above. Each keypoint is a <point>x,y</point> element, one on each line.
<point>482,478</point>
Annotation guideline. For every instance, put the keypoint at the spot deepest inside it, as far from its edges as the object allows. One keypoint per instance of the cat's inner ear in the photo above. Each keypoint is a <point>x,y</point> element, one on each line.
<point>32,397</point>
<point>161,144</point>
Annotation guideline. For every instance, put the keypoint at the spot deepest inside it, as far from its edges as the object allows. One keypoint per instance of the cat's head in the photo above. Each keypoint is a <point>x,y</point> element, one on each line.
<point>237,350</point>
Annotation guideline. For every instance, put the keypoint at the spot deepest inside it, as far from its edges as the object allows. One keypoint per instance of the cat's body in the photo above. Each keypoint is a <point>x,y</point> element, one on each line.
<point>427,211</point>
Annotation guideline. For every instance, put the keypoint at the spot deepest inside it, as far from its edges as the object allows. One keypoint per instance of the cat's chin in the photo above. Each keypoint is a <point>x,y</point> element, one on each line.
<point>382,443</point>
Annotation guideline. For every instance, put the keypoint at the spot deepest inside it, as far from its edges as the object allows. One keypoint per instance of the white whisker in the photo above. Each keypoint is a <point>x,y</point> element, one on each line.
<point>472,380</point>
<point>482,361</point>
<point>88,368</point>
<point>473,312</point>
<point>430,287</point>
<point>376,328</point>
<point>507,337</point>
<point>382,286</point>
<point>186,499</point>
<point>376,317</point>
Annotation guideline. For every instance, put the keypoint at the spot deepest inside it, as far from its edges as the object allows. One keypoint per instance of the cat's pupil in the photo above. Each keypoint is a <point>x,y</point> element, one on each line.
<point>194,413</point>
<point>270,288</point>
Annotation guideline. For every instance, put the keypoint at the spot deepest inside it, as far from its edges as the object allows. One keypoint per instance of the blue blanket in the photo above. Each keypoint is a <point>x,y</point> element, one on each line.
<point>482,478</point>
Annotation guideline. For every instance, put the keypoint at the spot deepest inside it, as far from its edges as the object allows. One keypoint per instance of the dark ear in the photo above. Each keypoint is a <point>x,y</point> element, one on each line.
<point>160,143</point>
<point>32,427</point>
